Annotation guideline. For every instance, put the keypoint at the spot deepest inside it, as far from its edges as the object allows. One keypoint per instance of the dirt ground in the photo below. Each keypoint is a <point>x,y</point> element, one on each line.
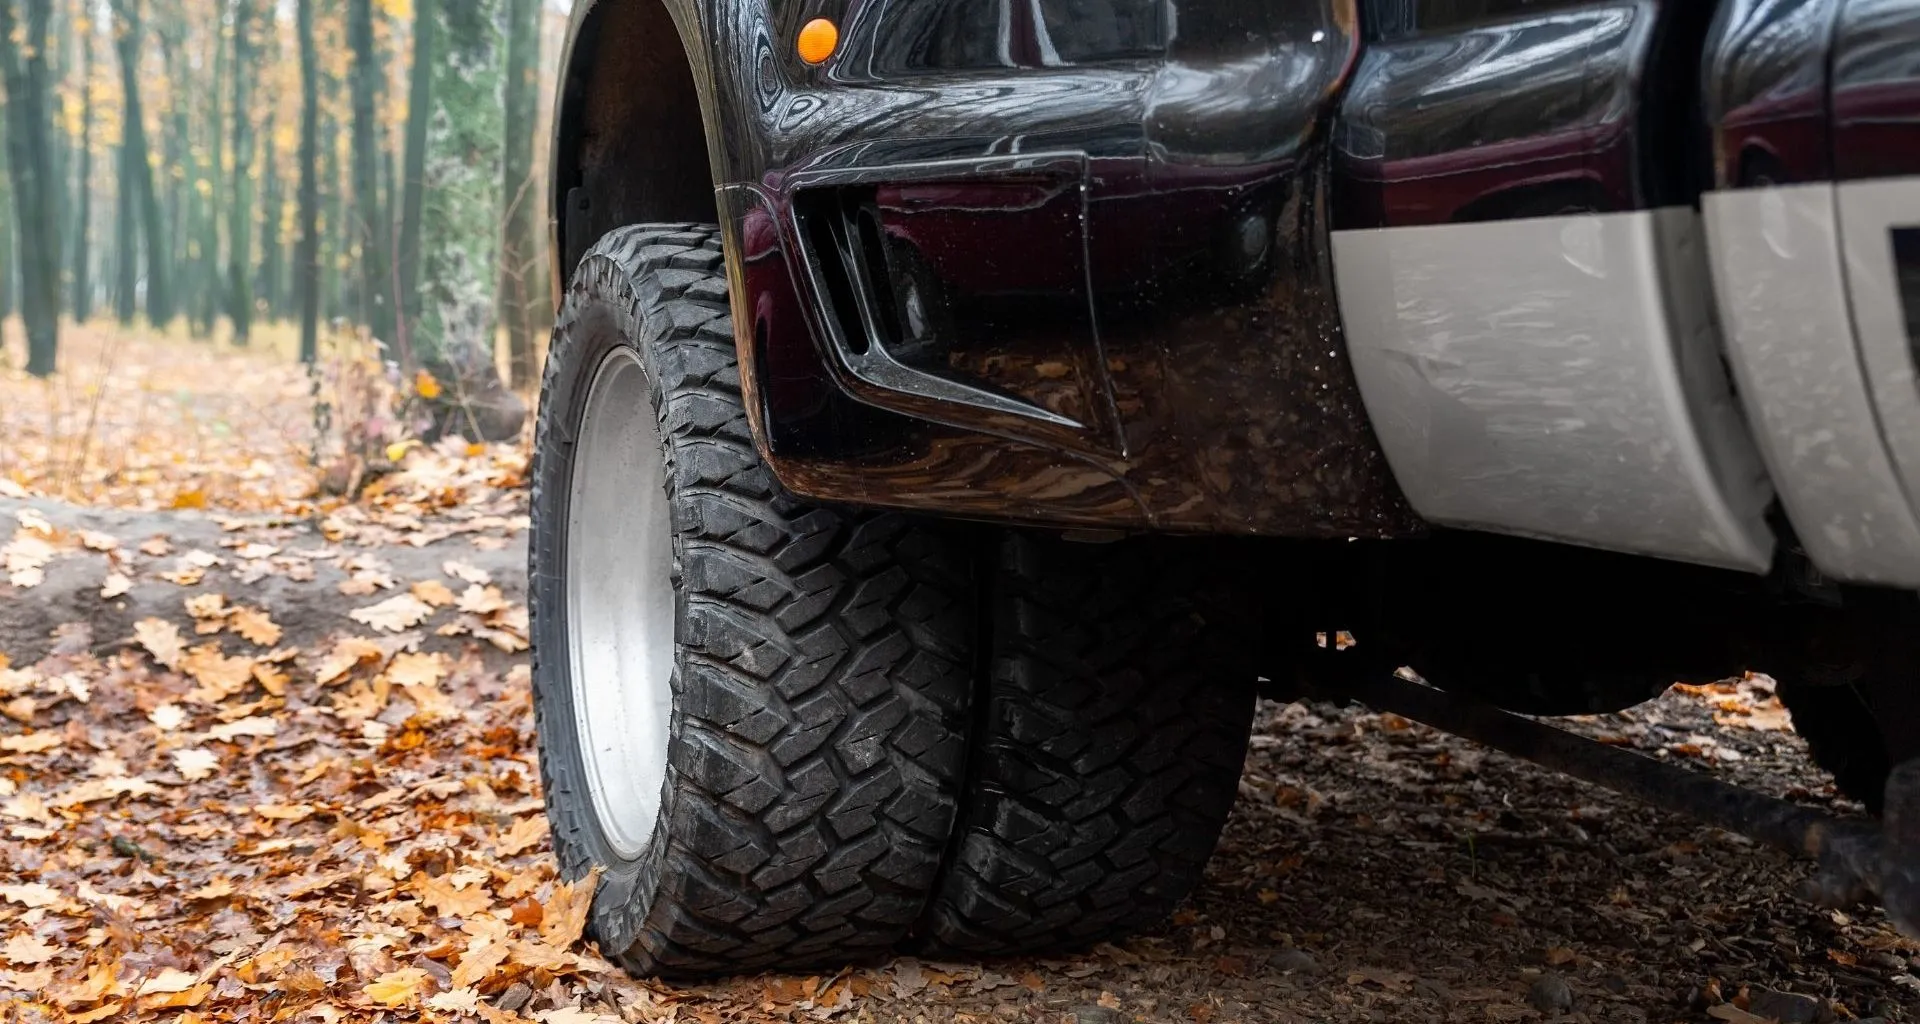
<point>316,798</point>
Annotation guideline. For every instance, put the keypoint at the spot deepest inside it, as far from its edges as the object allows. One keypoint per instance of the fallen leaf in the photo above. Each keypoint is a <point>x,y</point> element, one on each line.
<point>255,626</point>
<point>30,894</point>
<point>478,963</point>
<point>393,615</point>
<point>397,988</point>
<point>346,653</point>
<point>456,1000</point>
<point>27,950</point>
<point>31,743</point>
<point>195,763</point>
<point>162,640</point>
<point>525,833</point>
<point>250,726</point>
<point>409,669</point>
<point>432,592</point>
<point>447,900</point>
<point>565,913</point>
<point>466,572</point>
<point>115,585</point>
<point>170,979</point>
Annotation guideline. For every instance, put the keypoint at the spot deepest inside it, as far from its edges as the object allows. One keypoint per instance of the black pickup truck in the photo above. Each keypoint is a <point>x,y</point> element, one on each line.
<point>961,410</point>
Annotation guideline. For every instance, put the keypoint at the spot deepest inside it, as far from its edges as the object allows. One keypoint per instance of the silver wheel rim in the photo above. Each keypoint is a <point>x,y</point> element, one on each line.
<point>619,586</point>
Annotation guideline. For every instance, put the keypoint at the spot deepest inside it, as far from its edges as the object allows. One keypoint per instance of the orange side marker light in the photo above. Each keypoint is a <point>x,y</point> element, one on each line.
<point>818,38</point>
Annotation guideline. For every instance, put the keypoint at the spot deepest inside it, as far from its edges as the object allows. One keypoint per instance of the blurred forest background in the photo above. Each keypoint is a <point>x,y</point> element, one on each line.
<point>282,173</point>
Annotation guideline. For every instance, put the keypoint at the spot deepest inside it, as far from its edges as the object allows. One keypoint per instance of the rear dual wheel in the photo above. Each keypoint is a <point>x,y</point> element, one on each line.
<point>781,733</point>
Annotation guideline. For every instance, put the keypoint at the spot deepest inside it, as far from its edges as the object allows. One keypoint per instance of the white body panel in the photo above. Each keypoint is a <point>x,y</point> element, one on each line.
<point>1557,377</point>
<point>1791,341</point>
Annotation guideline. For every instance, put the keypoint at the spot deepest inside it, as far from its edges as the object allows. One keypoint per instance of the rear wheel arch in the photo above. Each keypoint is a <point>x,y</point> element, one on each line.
<point>632,134</point>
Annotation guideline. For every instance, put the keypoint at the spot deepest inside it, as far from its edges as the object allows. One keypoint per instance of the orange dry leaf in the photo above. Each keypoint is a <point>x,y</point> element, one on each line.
<point>565,914</point>
<point>448,901</point>
<point>432,592</point>
<point>255,626</point>
<point>219,676</point>
<point>105,1011</point>
<point>478,963</point>
<point>347,653</point>
<point>409,669</point>
<point>524,833</point>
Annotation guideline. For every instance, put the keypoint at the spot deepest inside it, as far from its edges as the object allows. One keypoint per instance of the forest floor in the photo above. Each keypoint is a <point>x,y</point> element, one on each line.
<point>267,755</point>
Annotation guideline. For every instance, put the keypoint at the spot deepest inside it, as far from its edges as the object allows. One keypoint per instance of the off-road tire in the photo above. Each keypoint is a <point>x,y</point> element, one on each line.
<point>1107,747</point>
<point>822,672</point>
<point>1851,679</point>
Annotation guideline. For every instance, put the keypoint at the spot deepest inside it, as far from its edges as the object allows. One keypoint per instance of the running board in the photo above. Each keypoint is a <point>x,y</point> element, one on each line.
<point>1857,860</point>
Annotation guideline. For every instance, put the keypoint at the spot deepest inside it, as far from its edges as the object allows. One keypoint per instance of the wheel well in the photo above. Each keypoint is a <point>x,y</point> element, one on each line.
<point>630,146</point>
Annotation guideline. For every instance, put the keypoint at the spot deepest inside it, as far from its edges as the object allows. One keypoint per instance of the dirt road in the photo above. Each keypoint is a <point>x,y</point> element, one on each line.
<point>1374,870</point>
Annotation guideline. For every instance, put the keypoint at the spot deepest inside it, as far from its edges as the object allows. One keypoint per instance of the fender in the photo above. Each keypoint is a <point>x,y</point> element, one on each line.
<point>634,130</point>
<point>1106,237</point>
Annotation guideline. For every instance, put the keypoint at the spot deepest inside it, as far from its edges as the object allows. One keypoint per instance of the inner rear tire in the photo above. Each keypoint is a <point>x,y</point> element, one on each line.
<point>1109,750</point>
<point>752,711</point>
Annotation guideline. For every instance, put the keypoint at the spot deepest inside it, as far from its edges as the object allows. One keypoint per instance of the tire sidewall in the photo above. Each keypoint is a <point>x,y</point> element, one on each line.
<point>600,315</point>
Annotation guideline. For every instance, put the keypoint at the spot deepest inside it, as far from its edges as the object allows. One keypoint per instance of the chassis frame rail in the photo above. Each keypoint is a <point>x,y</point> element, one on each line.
<point>1857,859</point>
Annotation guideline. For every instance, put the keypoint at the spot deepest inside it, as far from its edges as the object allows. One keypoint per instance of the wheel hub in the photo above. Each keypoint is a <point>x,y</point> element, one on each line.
<point>619,595</point>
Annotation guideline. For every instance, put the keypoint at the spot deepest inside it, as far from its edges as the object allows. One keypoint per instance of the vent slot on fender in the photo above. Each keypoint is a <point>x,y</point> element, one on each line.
<point>969,293</point>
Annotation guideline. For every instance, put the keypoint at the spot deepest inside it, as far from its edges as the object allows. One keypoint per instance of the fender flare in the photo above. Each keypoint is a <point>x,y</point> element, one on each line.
<point>623,149</point>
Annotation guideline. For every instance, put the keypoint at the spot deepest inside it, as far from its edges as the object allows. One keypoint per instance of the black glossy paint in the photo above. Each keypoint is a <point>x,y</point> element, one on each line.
<point>1053,260</point>
<point>1813,90</point>
<point>1765,78</point>
<point>1474,110</point>
<point>1066,260</point>
<point>1876,89</point>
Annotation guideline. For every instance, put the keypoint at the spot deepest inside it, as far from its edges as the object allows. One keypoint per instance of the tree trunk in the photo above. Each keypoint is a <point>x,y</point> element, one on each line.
<point>240,217</point>
<point>29,114</point>
<point>370,227</point>
<point>334,243</point>
<point>419,94</point>
<point>307,261</point>
<point>126,240</point>
<point>460,219</point>
<point>82,272</point>
<point>272,205</point>
<point>520,270</point>
<point>213,292</point>
<point>139,169</point>
<point>9,259</point>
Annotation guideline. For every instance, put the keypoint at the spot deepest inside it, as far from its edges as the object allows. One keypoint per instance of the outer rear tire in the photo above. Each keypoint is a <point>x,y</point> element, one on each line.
<point>1851,678</point>
<point>820,677</point>
<point>1108,752</point>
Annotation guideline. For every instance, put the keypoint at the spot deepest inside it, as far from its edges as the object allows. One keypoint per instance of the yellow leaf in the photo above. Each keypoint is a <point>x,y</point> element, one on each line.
<point>190,499</point>
<point>425,384</point>
<point>397,988</point>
